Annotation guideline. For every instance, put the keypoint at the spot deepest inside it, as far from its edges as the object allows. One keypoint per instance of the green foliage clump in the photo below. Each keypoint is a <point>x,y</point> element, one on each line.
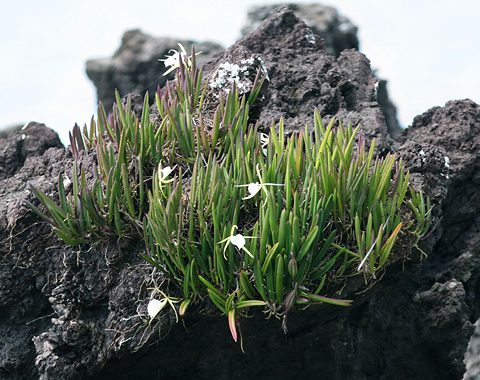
<point>245,218</point>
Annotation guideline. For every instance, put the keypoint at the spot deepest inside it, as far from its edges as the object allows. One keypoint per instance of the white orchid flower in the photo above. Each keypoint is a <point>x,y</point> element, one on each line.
<point>154,307</point>
<point>255,187</point>
<point>264,140</point>
<point>237,240</point>
<point>163,173</point>
<point>173,61</point>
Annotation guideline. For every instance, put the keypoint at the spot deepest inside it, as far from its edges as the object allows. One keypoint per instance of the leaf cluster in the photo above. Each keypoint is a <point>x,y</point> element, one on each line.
<point>324,209</point>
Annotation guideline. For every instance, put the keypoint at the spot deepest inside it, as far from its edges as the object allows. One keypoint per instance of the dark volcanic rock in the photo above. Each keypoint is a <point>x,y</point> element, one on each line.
<point>302,77</point>
<point>135,66</point>
<point>451,134</point>
<point>338,31</point>
<point>24,311</point>
<point>63,310</point>
<point>75,313</point>
<point>5,131</point>
<point>30,141</point>
<point>454,131</point>
<point>472,357</point>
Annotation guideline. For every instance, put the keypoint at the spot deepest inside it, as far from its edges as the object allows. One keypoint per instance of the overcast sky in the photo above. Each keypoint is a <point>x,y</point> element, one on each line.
<point>428,51</point>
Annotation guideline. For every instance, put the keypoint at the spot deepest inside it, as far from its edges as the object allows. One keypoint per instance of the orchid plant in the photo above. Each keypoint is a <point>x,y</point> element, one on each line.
<point>243,218</point>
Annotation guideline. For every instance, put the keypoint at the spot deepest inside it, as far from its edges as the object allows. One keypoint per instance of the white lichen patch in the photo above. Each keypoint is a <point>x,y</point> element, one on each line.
<point>241,74</point>
<point>375,91</point>
<point>310,37</point>
<point>422,154</point>
<point>453,285</point>
<point>66,182</point>
<point>228,73</point>
<point>447,165</point>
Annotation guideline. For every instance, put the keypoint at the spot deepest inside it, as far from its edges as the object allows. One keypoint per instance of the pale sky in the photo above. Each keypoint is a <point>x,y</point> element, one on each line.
<point>428,51</point>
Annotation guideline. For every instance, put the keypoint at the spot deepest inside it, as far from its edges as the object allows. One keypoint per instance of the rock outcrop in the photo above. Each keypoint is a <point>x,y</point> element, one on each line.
<point>472,357</point>
<point>303,76</point>
<point>80,312</point>
<point>5,131</point>
<point>338,32</point>
<point>135,66</point>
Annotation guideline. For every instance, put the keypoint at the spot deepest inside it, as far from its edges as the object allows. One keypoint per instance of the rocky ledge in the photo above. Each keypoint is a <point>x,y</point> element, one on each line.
<point>79,312</point>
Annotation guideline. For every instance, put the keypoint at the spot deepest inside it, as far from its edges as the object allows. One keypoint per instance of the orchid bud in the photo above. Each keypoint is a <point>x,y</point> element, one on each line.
<point>292,266</point>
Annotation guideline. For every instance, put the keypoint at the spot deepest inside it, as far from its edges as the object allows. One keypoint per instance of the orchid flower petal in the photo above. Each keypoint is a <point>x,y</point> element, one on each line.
<point>264,139</point>
<point>238,241</point>
<point>165,172</point>
<point>154,307</point>
<point>184,52</point>
<point>248,252</point>
<point>253,189</point>
<point>172,60</point>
